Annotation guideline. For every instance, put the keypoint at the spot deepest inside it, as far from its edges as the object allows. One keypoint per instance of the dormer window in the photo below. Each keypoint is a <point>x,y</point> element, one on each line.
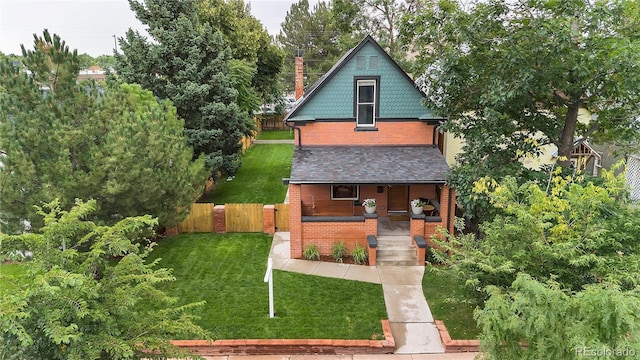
<point>366,96</point>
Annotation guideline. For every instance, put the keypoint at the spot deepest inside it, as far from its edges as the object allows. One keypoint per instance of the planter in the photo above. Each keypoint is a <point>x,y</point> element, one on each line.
<point>417,210</point>
<point>370,209</point>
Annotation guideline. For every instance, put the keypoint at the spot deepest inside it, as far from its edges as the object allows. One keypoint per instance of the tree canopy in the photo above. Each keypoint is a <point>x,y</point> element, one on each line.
<point>511,76</point>
<point>116,144</point>
<point>187,62</point>
<point>249,41</point>
<point>312,33</point>
<point>89,292</point>
<point>557,269</point>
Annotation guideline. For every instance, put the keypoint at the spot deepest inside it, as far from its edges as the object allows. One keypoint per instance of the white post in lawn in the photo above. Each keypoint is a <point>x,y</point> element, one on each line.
<point>268,277</point>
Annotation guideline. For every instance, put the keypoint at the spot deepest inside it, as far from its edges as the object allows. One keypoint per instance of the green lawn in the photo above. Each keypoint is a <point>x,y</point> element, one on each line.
<point>259,180</point>
<point>275,135</point>
<point>440,289</point>
<point>228,270</point>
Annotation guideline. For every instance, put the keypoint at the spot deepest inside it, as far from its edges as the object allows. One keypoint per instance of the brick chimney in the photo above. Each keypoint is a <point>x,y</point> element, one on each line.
<point>299,75</point>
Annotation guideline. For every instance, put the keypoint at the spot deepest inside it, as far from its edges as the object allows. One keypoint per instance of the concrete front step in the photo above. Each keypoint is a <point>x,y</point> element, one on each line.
<point>394,241</point>
<point>396,262</point>
<point>406,252</point>
<point>395,250</point>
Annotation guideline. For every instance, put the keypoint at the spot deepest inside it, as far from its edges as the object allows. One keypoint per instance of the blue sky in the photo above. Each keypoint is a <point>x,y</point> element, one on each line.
<point>89,25</point>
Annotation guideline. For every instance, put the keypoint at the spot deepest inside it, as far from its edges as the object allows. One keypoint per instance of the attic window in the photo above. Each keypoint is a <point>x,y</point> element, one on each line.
<point>366,103</point>
<point>373,62</point>
<point>361,62</point>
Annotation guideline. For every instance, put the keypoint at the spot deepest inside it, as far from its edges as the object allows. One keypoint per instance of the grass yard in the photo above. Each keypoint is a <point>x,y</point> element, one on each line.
<point>438,287</point>
<point>228,271</point>
<point>275,135</point>
<point>259,180</point>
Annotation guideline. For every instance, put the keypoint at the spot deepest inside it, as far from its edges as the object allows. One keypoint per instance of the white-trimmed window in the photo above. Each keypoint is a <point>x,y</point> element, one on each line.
<point>345,192</point>
<point>366,103</point>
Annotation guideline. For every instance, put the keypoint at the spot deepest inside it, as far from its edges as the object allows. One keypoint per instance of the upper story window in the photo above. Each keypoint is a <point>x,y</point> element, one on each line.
<point>366,95</point>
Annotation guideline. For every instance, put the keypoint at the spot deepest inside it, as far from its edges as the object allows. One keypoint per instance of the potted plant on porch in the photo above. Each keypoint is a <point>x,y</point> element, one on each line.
<point>417,206</point>
<point>369,205</point>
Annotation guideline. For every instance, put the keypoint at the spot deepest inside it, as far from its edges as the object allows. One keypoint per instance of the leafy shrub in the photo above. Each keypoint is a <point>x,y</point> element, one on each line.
<point>311,252</point>
<point>359,254</point>
<point>338,251</point>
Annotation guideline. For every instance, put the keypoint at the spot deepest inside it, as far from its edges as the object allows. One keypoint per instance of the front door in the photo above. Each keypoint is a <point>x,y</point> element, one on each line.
<point>398,197</point>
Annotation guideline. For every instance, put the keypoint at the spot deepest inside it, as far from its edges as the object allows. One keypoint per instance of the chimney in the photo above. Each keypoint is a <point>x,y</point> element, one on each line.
<point>299,75</point>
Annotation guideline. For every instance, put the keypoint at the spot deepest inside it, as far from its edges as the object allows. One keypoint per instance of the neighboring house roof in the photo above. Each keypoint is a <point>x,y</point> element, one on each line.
<point>400,97</point>
<point>368,165</point>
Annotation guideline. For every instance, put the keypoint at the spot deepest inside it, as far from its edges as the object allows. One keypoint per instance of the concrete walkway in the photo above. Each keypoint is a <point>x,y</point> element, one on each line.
<point>409,315</point>
<point>458,356</point>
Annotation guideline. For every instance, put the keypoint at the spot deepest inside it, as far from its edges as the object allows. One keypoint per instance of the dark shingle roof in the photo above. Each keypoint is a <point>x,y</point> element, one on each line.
<point>368,165</point>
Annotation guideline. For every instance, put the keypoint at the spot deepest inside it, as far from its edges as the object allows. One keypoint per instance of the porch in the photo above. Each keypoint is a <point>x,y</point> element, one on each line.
<point>327,190</point>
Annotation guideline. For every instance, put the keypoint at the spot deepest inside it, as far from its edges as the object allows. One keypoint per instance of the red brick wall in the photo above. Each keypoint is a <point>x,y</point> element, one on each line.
<point>269,219</point>
<point>309,193</point>
<point>295,225</point>
<point>389,133</point>
<point>291,346</point>
<point>422,191</point>
<point>219,220</point>
<point>324,234</point>
<point>445,211</point>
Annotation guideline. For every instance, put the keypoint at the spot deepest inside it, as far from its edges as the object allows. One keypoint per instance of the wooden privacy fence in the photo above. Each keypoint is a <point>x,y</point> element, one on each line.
<point>243,217</point>
<point>205,217</point>
<point>282,217</point>
<point>200,219</point>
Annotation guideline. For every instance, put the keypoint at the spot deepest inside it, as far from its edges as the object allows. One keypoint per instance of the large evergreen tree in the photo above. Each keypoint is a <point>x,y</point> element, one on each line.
<point>64,140</point>
<point>186,61</point>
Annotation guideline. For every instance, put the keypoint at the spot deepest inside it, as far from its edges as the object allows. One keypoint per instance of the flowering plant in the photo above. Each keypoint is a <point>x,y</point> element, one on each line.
<point>418,203</point>
<point>369,202</point>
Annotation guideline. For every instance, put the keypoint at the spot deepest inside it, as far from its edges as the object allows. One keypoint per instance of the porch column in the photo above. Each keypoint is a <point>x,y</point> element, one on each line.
<point>448,207</point>
<point>295,221</point>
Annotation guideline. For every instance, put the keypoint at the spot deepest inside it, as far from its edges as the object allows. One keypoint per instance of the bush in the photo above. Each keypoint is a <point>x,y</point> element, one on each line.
<point>311,252</point>
<point>359,254</point>
<point>338,251</point>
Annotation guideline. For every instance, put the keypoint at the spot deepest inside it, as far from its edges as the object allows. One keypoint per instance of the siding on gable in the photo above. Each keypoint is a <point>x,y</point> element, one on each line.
<point>398,97</point>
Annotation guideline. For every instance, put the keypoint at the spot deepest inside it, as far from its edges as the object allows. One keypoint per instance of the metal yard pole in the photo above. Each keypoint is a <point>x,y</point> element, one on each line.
<point>268,277</point>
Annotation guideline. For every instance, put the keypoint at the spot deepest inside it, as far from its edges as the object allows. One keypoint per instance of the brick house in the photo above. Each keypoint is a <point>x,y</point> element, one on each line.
<point>361,132</point>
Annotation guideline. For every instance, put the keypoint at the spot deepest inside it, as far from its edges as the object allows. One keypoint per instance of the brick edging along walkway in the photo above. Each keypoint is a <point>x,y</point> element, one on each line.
<point>291,346</point>
<point>455,346</point>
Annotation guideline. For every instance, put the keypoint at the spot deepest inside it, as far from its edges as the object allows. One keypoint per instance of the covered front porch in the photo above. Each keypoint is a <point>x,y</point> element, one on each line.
<point>326,202</point>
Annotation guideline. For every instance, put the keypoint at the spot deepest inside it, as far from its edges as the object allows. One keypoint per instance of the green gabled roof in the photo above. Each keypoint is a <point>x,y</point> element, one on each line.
<point>399,95</point>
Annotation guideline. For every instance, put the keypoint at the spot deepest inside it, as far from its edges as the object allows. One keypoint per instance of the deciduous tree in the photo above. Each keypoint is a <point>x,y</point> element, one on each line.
<point>558,269</point>
<point>511,76</point>
<point>312,33</point>
<point>249,41</point>
<point>89,292</point>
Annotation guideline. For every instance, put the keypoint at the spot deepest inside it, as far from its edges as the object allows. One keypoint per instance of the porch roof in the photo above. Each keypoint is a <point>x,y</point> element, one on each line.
<point>368,165</point>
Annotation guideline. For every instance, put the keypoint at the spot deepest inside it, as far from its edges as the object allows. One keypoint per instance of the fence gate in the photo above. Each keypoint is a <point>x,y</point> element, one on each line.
<point>282,217</point>
<point>200,219</point>
<point>243,217</point>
